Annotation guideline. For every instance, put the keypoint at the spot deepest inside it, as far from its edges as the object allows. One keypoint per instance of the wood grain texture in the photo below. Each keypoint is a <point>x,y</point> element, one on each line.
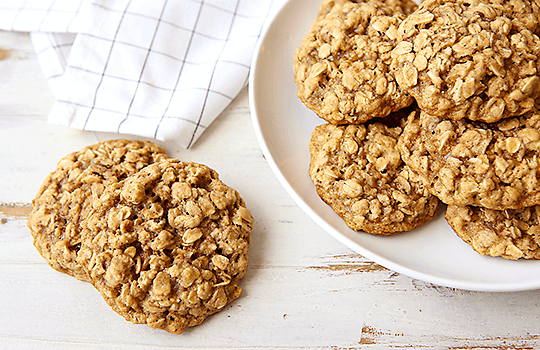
<point>303,290</point>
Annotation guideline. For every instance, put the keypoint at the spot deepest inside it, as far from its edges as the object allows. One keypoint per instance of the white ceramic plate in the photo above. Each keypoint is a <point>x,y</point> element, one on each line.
<point>432,253</point>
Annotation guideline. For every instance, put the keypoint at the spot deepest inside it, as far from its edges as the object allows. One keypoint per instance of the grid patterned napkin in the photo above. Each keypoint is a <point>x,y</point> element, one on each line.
<point>161,69</point>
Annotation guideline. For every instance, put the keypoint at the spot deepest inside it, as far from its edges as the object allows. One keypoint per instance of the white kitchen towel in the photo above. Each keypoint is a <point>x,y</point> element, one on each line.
<point>43,15</point>
<point>161,69</point>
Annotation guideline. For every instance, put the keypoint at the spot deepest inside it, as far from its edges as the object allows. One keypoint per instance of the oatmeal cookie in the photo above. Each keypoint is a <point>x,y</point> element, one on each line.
<point>470,58</point>
<point>342,65</point>
<point>67,194</point>
<point>168,246</point>
<point>511,234</point>
<point>491,165</point>
<point>358,171</point>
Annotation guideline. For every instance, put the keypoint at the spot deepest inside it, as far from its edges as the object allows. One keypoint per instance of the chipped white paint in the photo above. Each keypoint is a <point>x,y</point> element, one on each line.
<point>303,290</point>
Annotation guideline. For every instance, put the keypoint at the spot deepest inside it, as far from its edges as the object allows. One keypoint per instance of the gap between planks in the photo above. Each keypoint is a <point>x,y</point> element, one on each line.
<point>16,210</point>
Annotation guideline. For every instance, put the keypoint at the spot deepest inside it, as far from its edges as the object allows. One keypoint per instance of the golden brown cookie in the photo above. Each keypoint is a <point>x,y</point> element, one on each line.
<point>168,246</point>
<point>511,234</point>
<point>472,59</point>
<point>491,165</point>
<point>341,67</point>
<point>66,196</point>
<point>358,171</point>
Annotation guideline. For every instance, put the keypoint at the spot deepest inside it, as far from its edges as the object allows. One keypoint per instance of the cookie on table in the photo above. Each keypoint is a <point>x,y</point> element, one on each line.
<point>67,194</point>
<point>358,171</point>
<point>491,165</point>
<point>511,234</point>
<point>472,59</point>
<point>341,67</point>
<point>168,246</point>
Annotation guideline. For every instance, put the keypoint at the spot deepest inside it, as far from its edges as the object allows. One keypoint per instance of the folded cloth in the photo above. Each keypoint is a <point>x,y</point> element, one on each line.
<point>162,69</point>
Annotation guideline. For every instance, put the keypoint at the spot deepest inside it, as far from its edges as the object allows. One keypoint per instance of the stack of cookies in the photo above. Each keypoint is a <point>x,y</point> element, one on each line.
<point>165,242</point>
<point>428,103</point>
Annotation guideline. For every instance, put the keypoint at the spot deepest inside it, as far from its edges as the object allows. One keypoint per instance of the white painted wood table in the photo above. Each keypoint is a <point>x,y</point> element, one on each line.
<point>304,289</point>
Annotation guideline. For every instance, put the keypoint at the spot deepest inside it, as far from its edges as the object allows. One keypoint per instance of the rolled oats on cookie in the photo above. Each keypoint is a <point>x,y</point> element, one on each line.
<point>511,234</point>
<point>341,67</point>
<point>491,165</point>
<point>358,171</point>
<point>470,59</point>
<point>168,246</point>
<point>67,195</point>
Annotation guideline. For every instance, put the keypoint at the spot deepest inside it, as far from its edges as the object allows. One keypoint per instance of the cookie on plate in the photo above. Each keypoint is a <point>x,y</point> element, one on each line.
<point>358,171</point>
<point>67,194</point>
<point>168,246</point>
<point>472,59</point>
<point>341,67</point>
<point>511,234</point>
<point>491,165</point>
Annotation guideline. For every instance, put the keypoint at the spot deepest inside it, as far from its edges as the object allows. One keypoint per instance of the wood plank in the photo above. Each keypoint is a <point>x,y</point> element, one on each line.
<point>346,311</point>
<point>23,89</point>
